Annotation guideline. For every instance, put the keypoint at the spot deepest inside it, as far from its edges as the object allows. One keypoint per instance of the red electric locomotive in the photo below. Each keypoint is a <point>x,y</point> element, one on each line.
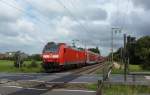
<point>60,55</point>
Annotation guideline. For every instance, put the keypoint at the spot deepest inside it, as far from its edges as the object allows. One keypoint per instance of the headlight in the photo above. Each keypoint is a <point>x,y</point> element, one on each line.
<point>46,56</point>
<point>55,56</point>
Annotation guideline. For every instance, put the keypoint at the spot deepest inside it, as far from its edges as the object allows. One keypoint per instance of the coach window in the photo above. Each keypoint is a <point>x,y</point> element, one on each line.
<point>64,50</point>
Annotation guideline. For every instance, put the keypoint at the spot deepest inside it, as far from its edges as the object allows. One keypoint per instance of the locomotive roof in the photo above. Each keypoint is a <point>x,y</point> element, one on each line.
<point>72,47</point>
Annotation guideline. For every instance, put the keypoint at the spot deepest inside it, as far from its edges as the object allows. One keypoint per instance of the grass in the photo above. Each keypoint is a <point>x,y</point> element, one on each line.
<point>132,68</point>
<point>122,89</point>
<point>135,68</point>
<point>8,66</point>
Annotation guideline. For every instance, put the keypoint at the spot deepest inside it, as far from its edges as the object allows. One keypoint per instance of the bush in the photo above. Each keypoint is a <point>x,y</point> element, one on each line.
<point>33,64</point>
<point>16,64</point>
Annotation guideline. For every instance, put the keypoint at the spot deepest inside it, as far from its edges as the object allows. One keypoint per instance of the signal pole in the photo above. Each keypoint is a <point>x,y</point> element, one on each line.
<point>74,43</point>
<point>125,62</point>
<point>112,43</point>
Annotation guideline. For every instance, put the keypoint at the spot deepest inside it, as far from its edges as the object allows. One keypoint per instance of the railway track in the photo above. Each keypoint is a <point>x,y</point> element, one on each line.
<point>91,69</point>
<point>88,69</point>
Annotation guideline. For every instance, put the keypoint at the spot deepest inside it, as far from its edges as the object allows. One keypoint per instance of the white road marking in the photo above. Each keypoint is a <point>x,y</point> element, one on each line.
<point>73,90</point>
<point>23,88</point>
<point>56,82</point>
<point>13,86</point>
<point>147,77</point>
<point>44,81</point>
<point>81,82</point>
<point>36,81</point>
<point>35,89</point>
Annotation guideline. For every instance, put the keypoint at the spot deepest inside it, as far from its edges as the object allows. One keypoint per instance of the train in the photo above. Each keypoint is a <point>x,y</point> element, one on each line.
<point>61,55</point>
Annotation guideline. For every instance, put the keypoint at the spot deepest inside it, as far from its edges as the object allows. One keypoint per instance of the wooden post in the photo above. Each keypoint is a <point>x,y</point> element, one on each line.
<point>99,87</point>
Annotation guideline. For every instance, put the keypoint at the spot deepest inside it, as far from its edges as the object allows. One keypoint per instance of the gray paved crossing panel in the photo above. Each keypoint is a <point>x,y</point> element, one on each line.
<point>22,91</point>
<point>69,93</point>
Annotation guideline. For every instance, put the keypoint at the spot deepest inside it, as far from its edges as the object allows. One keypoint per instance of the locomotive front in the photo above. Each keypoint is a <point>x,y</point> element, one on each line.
<point>50,55</point>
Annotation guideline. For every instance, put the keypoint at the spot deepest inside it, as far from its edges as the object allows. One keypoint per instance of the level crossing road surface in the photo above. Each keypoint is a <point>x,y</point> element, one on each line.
<point>30,91</point>
<point>12,89</point>
<point>51,78</point>
<point>66,77</point>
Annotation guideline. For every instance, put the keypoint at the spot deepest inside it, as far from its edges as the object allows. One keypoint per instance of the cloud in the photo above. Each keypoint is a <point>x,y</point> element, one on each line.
<point>92,14</point>
<point>62,21</point>
<point>7,13</point>
<point>142,3</point>
<point>7,29</point>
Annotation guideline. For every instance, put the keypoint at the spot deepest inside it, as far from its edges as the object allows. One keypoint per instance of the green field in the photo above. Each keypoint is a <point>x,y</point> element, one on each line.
<point>8,66</point>
<point>132,68</point>
<point>122,89</point>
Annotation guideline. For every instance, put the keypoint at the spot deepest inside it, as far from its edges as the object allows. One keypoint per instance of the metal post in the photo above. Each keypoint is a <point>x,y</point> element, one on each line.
<point>85,50</point>
<point>19,60</point>
<point>73,43</point>
<point>125,62</point>
<point>85,45</point>
<point>104,73</point>
<point>128,65</point>
<point>112,44</point>
<point>120,55</point>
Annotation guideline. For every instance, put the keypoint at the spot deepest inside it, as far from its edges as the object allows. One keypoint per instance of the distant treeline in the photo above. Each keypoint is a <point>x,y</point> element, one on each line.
<point>138,52</point>
<point>36,57</point>
<point>95,50</point>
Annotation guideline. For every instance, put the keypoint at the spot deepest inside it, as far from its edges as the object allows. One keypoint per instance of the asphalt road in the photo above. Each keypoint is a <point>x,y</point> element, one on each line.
<point>7,88</point>
<point>65,77</point>
<point>11,89</point>
<point>30,91</point>
<point>51,78</point>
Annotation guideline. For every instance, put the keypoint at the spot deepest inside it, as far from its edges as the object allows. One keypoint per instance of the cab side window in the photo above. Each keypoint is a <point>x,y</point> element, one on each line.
<point>64,50</point>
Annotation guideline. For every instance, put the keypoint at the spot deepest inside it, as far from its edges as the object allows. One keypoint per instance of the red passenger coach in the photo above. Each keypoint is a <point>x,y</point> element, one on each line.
<point>60,55</point>
<point>92,57</point>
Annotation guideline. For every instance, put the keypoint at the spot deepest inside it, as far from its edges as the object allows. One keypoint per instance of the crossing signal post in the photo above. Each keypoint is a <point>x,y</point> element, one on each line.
<point>74,43</point>
<point>125,63</point>
<point>128,41</point>
<point>116,30</point>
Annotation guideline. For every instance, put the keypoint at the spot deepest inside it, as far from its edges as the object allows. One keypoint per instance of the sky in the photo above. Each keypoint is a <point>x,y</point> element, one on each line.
<point>27,25</point>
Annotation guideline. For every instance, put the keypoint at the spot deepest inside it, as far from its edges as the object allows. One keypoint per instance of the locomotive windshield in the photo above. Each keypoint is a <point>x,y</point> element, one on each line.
<point>51,47</point>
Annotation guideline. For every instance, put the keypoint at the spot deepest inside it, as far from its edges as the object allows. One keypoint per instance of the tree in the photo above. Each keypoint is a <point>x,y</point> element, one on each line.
<point>117,55</point>
<point>142,51</point>
<point>95,50</point>
<point>36,57</point>
<point>80,48</point>
<point>138,52</point>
